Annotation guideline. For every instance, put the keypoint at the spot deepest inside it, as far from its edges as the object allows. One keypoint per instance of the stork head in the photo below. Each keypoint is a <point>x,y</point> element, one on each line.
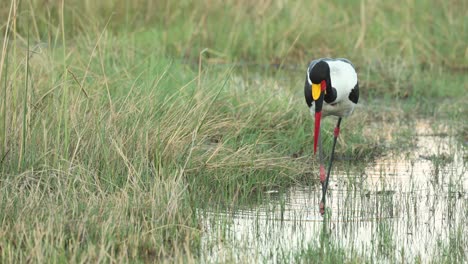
<point>318,76</point>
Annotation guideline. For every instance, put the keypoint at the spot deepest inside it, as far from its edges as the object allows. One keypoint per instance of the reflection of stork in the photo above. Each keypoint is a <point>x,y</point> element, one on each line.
<point>331,87</point>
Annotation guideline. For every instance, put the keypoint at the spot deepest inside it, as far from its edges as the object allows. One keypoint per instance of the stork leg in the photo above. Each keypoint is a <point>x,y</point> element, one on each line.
<point>325,184</point>
<point>321,161</point>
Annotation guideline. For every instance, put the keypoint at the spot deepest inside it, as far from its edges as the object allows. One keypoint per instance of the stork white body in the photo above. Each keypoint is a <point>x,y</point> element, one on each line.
<point>344,79</point>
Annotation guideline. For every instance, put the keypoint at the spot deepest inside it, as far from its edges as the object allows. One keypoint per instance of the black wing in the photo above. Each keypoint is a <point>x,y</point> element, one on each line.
<point>354,94</point>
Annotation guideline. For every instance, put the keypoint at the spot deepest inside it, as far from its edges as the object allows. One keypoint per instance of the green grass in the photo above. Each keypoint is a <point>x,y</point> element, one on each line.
<point>116,126</point>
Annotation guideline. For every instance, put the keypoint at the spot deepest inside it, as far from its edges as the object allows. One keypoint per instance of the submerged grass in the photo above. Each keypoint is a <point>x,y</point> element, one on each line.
<point>116,122</point>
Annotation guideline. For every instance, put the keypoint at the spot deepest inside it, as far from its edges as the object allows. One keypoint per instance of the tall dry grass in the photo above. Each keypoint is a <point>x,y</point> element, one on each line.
<point>119,118</point>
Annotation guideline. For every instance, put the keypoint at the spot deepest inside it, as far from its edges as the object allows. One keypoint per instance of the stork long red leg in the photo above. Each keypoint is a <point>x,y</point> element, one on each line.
<point>321,161</point>
<point>325,185</point>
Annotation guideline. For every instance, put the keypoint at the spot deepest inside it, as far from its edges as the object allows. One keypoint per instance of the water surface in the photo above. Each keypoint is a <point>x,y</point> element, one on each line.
<point>402,206</point>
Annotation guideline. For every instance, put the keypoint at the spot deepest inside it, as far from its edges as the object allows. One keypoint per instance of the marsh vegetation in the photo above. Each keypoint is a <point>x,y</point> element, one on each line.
<point>143,131</point>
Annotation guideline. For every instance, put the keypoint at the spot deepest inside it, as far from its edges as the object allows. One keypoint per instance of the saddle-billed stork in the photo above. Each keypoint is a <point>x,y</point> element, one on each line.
<point>331,89</point>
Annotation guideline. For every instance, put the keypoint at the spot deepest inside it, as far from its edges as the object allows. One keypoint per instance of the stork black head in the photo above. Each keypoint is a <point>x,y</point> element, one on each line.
<point>319,72</point>
<point>318,79</point>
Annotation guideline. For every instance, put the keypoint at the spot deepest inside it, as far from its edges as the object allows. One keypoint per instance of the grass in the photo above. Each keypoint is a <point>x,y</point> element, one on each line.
<point>120,118</point>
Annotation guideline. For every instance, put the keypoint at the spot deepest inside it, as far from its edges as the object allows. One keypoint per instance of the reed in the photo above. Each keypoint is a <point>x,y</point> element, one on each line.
<point>121,119</point>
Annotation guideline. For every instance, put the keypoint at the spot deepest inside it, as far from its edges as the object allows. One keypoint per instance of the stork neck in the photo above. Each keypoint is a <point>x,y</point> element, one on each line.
<point>331,94</point>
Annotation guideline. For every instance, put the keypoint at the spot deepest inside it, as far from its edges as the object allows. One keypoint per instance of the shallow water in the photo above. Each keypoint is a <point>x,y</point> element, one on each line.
<point>400,207</point>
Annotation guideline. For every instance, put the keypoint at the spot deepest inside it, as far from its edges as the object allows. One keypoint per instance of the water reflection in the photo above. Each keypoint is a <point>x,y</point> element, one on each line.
<point>398,207</point>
